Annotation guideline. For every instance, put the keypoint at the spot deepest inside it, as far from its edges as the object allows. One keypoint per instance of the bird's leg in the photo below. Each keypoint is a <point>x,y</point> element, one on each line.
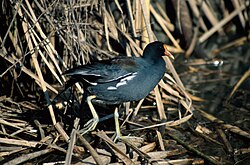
<point>119,136</point>
<point>127,139</point>
<point>91,124</point>
<point>117,125</point>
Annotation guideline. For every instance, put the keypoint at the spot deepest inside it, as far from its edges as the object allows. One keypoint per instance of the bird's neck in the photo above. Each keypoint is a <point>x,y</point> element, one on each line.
<point>153,59</point>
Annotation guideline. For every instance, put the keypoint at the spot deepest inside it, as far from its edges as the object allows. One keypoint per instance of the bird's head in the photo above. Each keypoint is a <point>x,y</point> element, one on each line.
<point>156,49</point>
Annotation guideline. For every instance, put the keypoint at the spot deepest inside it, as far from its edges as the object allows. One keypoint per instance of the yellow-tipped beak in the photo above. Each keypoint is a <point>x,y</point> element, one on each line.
<point>167,53</point>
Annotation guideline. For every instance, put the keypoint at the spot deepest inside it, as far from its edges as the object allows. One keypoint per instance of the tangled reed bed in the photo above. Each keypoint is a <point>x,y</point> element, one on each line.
<point>41,39</point>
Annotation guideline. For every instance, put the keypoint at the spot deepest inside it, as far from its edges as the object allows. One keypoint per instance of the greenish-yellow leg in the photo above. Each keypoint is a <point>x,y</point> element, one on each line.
<point>117,128</point>
<point>91,124</point>
<point>117,125</point>
<point>119,136</point>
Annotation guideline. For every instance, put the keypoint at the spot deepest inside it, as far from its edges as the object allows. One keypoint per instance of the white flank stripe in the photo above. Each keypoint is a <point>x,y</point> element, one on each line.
<point>87,73</point>
<point>111,88</point>
<point>92,83</point>
<point>126,79</point>
<point>121,83</point>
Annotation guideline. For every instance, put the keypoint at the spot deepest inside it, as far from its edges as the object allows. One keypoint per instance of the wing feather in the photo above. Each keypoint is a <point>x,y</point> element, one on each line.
<point>105,71</point>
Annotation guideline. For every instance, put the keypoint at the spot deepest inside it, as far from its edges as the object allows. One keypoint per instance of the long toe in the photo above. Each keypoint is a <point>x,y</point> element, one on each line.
<point>119,136</point>
<point>89,126</point>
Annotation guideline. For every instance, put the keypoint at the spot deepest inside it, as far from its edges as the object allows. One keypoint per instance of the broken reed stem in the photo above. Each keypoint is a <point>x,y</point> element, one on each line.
<point>146,16</point>
<point>29,36</point>
<point>190,148</point>
<point>224,21</point>
<point>145,11</point>
<point>165,29</point>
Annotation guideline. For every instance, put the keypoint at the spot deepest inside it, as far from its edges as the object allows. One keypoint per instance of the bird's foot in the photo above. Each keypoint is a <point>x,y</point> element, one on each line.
<point>128,138</point>
<point>119,136</point>
<point>89,126</point>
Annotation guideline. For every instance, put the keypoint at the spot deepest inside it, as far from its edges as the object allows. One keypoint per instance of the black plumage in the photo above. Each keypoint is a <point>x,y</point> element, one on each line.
<point>123,79</point>
<point>120,79</point>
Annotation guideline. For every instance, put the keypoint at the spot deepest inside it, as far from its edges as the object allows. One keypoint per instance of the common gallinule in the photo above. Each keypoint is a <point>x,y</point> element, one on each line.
<point>121,79</point>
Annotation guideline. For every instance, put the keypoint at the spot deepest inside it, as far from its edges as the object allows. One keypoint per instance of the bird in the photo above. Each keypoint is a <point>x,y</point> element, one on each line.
<point>121,79</point>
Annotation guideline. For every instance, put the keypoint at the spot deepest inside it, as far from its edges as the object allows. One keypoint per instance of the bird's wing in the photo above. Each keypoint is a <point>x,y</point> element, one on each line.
<point>105,71</point>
